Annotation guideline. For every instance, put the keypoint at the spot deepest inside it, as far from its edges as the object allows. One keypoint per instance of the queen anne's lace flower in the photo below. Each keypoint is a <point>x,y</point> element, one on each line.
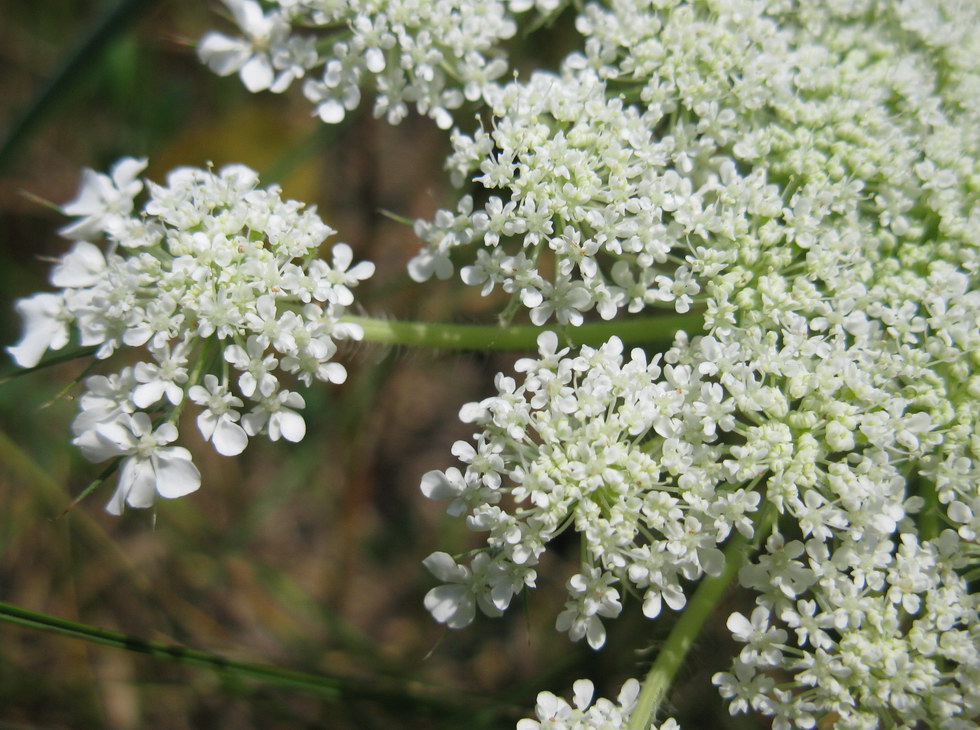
<point>805,175</point>
<point>554,713</point>
<point>602,444</point>
<point>691,134</point>
<point>432,54</point>
<point>213,274</point>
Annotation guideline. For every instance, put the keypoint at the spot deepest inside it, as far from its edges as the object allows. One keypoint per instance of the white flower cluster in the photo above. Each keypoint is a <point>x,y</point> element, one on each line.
<point>687,132</point>
<point>577,178</point>
<point>806,173</point>
<point>433,54</point>
<point>603,445</point>
<point>876,633</point>
<point>220,282</point>
<point>554,713</point>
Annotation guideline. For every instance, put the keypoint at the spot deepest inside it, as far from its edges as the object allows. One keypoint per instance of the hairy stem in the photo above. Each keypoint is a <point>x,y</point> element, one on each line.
<point>697,611</point>
<point>661,328</point>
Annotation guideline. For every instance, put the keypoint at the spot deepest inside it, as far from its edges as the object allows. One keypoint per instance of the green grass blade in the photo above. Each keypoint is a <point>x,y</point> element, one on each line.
<point>76,64</point>
<point>332,687</point>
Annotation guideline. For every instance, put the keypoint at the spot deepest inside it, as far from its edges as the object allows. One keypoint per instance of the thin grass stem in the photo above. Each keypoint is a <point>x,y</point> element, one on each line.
<point>330,686</point>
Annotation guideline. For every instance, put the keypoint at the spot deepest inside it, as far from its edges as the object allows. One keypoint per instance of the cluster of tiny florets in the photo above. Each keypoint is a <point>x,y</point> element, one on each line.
<point>434,55</point>
<point>219,281</point>
<point>625,451</point>
<point>871,629</point>
<point>804,174</point>
<point>554,713</point>
<point>686,135</point>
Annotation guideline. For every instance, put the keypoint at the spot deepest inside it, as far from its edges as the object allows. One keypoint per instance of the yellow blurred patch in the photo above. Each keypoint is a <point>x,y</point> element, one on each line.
<point>264,136</point>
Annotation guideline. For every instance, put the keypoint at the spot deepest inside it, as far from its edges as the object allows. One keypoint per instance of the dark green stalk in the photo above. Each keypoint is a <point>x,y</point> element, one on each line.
<point>333,687</point>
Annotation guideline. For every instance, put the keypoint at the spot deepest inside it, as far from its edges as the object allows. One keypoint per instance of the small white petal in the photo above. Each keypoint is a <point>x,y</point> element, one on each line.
<point>331,111</point>
<point>451,605</point>
<point>436,485</point>
<point>342,256</point>
<point>443,567</point>
<point>82,266</point>
<point>652,604</point>
<point>137,482</point>
<point>582,693</point>
<point>257,74</point>
<point>207,421</point>
<point>959,512</point>
<point>375,60</point>
<point>740,626</point>
<point>222,54</point>
<point>43,329</point>
<point>712,560</point>
<point>332,372</point>
<point>229,438</point>
<point>147,394</point>
<point>289,424</point>
<point>176,474</point>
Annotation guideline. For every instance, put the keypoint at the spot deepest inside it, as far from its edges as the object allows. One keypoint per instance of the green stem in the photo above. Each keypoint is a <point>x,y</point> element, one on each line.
<point>697,611</point>
<point>930,522</point>
<point>330,686</point>
<point>661,328</point>
<point>75,354</point>
<point>106,473</point>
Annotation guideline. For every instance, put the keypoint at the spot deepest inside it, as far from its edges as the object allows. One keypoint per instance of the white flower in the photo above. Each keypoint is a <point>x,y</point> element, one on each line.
<point>105,398</point>
<point>218,422</point>
<point>46,322</point>
<point>104,201</point>
<point>275,416</point>
<point>166,378</point>
<point>591,596</point>
<point>485,584</point>
<point>150,468</point>
<point>453,604</point>
<point>759,637</point>
<point>256,367</point>
<point>250,57</point>
<point>342,274</point>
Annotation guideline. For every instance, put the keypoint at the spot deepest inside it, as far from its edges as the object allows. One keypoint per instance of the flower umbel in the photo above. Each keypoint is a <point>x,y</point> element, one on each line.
<point>219,282</point>
<point>433,55</point>
<point>554,713</point>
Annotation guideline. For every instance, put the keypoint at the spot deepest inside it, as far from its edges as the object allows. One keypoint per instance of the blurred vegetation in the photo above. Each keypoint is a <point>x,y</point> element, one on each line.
<point>304,556</point>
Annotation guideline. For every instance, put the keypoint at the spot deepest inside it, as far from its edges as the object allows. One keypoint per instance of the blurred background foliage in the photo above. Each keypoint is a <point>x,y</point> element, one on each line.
<point>305,556</point>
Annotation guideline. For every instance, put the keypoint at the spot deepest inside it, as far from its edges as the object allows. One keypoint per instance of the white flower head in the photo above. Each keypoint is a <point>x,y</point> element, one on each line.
<point>221,274</point>
<point>266,46</point>
<point>149,468</point>
<point>104,202</point>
